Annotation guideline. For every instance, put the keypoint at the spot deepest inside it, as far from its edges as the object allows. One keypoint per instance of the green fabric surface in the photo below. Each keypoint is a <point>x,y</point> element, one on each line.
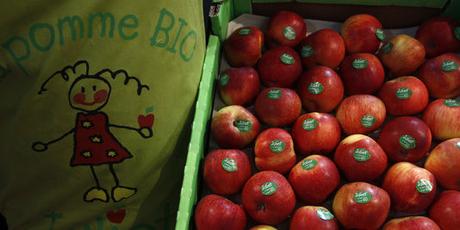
<point>79,81</point>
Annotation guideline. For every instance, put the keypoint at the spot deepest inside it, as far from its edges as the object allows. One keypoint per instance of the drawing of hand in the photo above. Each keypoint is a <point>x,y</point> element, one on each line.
<point>145,132</point>
<point>39,146</point>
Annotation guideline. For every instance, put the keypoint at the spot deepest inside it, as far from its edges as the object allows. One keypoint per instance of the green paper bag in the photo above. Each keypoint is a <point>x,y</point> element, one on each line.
<point>95,111</point>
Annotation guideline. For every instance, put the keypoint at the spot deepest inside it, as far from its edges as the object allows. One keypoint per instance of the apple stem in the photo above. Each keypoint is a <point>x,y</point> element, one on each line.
<point>261,207</point>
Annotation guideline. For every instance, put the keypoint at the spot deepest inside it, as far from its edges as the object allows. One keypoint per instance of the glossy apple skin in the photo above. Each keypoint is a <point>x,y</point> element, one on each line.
<point>401,182</point>
<point>362,79</point>
<point>412,222</point>
<point>360,158</point>
<point>274,150</point>
<point>313,218</point>
<point>402,55</point>
<point>405,95</point>
<point>324,47</point>
<point>438,36</point>
<point>442,82</point>
<point>226,131</point>
<point>400,147</point>
<point>320,89</point>
<point>239,86</point>
<point>444,163</point>
<point>216,212</point>
<point>276,33</point>
<point>278,107</point>
<point>268,208</point>
<point>244,46</point>
<point>279,67</point>
<point>445,211</point>
<point>442,117</point>
<point>263,227</point>
<point>314,178</point>
<point>315,133</point>
<point>226,171</point>
<point>359,33</point>
<point>353,111</point>
<point>354,215</point>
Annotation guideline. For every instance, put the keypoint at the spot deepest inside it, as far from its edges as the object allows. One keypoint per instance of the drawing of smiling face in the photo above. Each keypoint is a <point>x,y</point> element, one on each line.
<point>89,93</point>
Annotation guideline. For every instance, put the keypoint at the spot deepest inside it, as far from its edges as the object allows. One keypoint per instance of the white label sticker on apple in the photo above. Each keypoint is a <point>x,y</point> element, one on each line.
<point>289,33</point>
<point>229,165</point>
<point>324,214</point>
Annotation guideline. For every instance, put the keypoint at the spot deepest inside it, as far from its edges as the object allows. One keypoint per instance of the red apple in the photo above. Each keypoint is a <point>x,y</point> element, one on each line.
<point>263,227</point>
<point>442,75</point>
<point>411,188</point>
<point>268,198</point>
<point>412,222</point>
<point>361,114</point>
<point>439,35</point>
<point>402,55</point>
<point>324,47</point>
<point>314,178</point>
<point>316,133</point>
<point>239,86</point>
<point>360,205</point>
<point>146,121</point>
<point>216,212</point>
<point>362,73</point>
<point>234,127</point>
<point>313,218</point>
<point>404,96</point>
<point>446,210</point>
<point>279,67</point>
<point>274,150</point>
<point>362,33</point>
<point>360,158</point>
<point>320,89</point>
<point>444,163</point>
<point>286,28</point>
<point>244,46</point>
<point>278,106</point>
<point>116,216</point>
<point>405,139</point>
<point>226,170</point>
<point>442,117</point>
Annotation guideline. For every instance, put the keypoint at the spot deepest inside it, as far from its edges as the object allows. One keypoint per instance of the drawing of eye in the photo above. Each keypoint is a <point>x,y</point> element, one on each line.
<point>83,89</point>
<point>94,88</point>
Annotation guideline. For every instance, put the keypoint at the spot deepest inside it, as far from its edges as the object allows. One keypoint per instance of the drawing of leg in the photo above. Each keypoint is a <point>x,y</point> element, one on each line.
<point>95,193</point>
<point>120,192</point>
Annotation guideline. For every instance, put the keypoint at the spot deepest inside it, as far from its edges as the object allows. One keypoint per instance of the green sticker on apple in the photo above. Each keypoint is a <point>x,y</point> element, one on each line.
<point>407,142</point>
<point>243,125</point>
<point>289,33</point>
<point>449,66</point>
<point>361,154</point>
<point>362,197</point>
<point>387,47</point>
<point>268,188</point>
<point>244,31</point>
<point>287,59</point>
<point>224,79</point>
<point>277,146</point>
<point>379,34</point>
<point>315,88</point>
<point>452,102</point>
<point>359,63</point>
<point>309,124</point>
<point>274,94</point>
<point>229,165</point>
<point>424,186</point>
<point>306,51</point>
<point>403,93</point>
<point>308,164</point>
<point>324,214</point>
<point>457,32</point>
<point>367,121</point>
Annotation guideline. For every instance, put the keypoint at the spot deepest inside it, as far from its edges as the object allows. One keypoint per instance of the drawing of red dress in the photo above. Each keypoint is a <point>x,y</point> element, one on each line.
<point>93,142</point>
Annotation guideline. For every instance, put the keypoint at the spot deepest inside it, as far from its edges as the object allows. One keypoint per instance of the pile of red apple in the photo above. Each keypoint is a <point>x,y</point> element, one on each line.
<point>353,130</point>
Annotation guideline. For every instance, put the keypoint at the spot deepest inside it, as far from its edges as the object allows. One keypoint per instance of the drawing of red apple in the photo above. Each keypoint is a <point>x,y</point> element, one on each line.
<point>146,120</point>
<point>116,216</point>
